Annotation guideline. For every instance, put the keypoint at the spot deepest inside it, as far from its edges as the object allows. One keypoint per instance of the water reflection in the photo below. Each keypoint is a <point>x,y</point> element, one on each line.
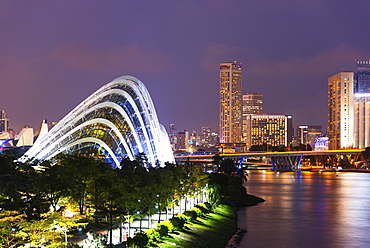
<point>308,210</point>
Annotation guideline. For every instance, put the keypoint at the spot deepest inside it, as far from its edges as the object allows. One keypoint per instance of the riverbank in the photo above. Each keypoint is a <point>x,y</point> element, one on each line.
<point>217,229</point>
<point>213,230</point>
<point>247,201</point>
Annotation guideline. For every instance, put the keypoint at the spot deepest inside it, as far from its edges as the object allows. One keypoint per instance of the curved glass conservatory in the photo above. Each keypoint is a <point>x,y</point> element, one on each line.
<point>117,121</point>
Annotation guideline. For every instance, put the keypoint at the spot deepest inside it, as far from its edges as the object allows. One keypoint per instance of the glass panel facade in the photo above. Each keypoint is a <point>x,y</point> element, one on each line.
<point>116,121</point>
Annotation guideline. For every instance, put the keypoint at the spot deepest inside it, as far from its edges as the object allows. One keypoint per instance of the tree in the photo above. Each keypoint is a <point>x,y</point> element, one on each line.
<point>8,227</point>
<point>20,192</point>
<point>103,177</point>
<point>50,231</point>
<point>194,182</point>
<point>227,166</point>
<point>80,171</point>
<point>366,155</point>
<point>53,181</point>
<point>262,147</point>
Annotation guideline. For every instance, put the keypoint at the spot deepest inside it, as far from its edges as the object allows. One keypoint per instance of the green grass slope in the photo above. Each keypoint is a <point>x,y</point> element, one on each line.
<point>213,230</point>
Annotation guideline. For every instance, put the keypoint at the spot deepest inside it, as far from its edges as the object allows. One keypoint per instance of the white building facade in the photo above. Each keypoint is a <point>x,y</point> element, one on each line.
<point>341,110</point>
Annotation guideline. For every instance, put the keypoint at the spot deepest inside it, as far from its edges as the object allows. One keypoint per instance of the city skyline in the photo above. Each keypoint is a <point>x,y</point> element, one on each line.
<point>55,54</point>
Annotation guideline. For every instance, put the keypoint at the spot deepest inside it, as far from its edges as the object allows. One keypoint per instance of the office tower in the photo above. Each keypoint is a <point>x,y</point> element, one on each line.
<point>205,137</point>
<point>182,140</point>
<point>172,129</point>
<point>230,102</point>
<point>4,122</point>
<point>273,130</point>
<point>308,134</point>
<point>341,110</point>
<point>362,76</point>
<point>173,137</point>
<point>252,104</point>
<point>362,104</point>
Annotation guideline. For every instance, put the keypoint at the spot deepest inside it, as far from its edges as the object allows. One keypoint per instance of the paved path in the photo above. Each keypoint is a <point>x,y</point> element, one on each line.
<point>146,223</point>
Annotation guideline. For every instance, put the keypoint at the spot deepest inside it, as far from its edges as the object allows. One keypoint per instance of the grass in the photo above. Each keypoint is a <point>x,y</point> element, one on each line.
<point>213,230</point>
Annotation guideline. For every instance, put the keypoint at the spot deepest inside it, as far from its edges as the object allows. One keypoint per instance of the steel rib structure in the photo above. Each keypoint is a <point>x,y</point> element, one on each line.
<point>117,121</point>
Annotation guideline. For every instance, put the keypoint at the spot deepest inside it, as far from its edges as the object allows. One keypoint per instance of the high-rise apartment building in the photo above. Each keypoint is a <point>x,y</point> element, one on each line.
<point>4,122</point>
<point>341,110</point>
<point>252,104</point>
<point>273,130</point>
<point>230,102</point>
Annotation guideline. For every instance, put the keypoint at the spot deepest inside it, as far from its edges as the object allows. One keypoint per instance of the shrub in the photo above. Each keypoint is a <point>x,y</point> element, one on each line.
<point>205,207</point>
<point>178,223</point>
<point>197,210</point>
<point>214,196</point>
<point>192,214</point>
<point>153,236</point>
<point>164,228</point>
<point>202,208</point>
<point>140,240</point>
<point>208,206</point>
<point>168,224</point>
<point>184,217</point>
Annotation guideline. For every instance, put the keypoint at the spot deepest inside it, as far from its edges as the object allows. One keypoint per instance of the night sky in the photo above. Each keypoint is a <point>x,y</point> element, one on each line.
<point>54,54</point>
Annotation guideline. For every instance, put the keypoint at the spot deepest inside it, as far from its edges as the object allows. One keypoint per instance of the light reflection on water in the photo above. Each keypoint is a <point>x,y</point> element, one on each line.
<point>307,210</point>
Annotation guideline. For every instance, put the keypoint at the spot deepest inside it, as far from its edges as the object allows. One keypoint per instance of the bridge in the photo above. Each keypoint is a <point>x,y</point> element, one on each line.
<point>282,161</point>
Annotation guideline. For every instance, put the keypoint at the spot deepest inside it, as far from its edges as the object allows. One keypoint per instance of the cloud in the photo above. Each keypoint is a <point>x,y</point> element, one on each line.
<point>324,62</point>
<point>134,57</point>
<point>217,53</point>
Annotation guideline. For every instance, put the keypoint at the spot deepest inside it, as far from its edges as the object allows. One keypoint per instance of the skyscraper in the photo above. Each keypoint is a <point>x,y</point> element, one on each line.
<point>349,108</point>
<point>4,122</point>
<point>251,105</point>
<point>230,102</point>
<point>362,76</point>
<point>362,104</point>
<point>341,110</point>
<point>173,137</point>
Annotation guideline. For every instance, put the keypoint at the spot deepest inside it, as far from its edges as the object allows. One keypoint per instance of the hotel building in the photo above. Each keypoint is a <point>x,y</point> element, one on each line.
<point>273,130</point>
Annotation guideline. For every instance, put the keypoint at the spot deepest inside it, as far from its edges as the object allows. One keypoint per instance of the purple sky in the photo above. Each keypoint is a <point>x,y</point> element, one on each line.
<point>54,54</point>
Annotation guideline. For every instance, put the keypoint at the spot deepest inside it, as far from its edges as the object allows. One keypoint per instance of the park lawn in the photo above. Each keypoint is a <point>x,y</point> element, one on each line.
<point>213,230</point>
